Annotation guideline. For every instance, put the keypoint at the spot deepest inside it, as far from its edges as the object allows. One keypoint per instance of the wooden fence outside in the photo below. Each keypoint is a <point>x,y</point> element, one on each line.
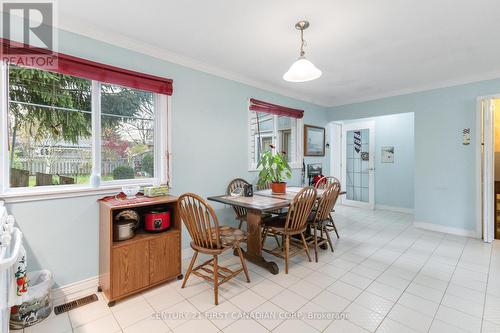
<point>69,167</point>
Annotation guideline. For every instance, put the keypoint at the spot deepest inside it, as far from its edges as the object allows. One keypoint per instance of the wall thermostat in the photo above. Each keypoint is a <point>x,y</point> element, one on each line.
<point>466,136</point>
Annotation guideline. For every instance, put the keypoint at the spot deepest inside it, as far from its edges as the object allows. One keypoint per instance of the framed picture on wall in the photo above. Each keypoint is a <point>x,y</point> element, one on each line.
<point>314,141</point>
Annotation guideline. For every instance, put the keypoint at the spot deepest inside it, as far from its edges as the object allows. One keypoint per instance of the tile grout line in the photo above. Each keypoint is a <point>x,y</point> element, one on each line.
<point>389,266</point>
<point>363,290</point>
<point>228,300</point>
<point>155,311</point>
<point>356,264</point>
<point>443,237</point>
<point>369,232</point>
<point>487,282</point>
<point>423,265</point>
<point>347,271</point>
<point>447,285</point>
<point>299,278</point>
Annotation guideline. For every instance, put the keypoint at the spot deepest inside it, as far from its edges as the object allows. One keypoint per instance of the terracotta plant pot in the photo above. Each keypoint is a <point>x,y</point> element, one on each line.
<point>278,188</point>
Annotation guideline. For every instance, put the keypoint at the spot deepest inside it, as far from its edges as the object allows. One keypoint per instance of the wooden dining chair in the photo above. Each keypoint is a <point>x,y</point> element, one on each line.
<point>321,217</point>
<point>241,213</point>
<point>211,239</point>
<point>294,223</point>
<point>323,183</point>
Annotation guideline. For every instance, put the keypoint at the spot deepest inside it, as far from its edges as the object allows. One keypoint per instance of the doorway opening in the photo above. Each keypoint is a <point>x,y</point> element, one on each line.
<point>374,160</point>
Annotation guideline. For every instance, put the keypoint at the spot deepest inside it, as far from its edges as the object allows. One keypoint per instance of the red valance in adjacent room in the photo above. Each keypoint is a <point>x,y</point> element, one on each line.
<point>260,106</point>
<point>91,70</point>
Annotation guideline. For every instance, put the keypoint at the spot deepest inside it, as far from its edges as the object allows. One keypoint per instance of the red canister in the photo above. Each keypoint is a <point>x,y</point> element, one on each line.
<point>156,221</point>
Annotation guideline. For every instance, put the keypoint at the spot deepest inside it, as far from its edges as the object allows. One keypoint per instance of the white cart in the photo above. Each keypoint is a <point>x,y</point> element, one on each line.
<point>10,245</point>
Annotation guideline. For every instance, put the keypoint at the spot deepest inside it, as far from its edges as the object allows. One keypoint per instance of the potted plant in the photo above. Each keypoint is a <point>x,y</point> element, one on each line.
<point>275,170</point>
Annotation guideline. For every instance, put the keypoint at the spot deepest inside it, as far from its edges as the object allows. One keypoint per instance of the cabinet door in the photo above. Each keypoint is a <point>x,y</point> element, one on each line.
<point>130,268</point>
<point>164,257</point>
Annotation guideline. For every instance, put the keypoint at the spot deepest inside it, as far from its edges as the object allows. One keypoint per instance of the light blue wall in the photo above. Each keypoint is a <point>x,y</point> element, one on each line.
<point>209,125</point>
<point>394,182</point>
<point>445,178</point>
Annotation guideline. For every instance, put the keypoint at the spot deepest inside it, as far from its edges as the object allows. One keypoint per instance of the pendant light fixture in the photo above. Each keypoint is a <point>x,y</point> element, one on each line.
<point>302,70</point>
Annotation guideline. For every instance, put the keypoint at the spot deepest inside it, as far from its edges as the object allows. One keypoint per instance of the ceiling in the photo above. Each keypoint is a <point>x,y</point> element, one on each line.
<point>366,49</point>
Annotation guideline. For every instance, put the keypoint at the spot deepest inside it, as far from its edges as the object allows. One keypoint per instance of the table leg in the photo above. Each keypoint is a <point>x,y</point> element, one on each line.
<point>254,242</point>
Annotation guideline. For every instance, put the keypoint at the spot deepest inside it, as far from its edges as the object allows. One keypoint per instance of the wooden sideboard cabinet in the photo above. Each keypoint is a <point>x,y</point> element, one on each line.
<point>147,259</point>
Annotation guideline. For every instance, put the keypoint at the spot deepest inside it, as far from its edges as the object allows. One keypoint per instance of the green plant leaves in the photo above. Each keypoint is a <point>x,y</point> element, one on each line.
<point>275,168</point>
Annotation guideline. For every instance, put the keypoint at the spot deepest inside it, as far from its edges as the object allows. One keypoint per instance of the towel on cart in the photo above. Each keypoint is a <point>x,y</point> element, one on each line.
<point>18,287</point>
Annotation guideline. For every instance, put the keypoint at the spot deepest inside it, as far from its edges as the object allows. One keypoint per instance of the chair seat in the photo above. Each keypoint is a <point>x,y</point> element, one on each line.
<point>311,217</point>
<point>229,235</point>
<point>275,222</point>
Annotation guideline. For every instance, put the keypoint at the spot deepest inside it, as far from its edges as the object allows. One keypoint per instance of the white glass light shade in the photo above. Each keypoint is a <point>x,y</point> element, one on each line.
<point>302,70</point>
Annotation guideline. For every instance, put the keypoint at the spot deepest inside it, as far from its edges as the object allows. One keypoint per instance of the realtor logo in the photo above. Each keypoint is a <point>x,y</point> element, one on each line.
<point>28,34</point>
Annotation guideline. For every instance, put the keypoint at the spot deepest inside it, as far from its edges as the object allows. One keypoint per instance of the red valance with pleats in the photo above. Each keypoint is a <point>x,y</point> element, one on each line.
<point>70,65</point>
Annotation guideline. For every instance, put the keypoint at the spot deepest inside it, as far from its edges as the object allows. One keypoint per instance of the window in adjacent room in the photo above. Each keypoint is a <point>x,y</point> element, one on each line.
<point>267,129</point>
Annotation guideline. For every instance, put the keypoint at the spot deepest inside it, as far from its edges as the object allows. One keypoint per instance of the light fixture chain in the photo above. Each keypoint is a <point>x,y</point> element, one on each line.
<point>302,52</point>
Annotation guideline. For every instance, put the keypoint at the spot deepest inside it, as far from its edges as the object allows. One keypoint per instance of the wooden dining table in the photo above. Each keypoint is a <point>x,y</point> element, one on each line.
<point>261,202</point>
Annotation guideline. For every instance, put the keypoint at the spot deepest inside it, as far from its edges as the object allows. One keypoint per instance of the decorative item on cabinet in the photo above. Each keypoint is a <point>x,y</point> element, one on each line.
<point>314,170</point>
<point>248,190</point>
<point>156,191</point>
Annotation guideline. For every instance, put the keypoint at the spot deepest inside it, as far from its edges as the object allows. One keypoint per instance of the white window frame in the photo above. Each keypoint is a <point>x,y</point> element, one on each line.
<point>298,153</point>
<point>262,136</point>
<point>162,152</point>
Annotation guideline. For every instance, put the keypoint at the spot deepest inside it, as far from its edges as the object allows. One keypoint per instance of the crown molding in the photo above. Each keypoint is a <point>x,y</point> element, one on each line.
<point>419,89</point>
<point>77,26</point>
<point>71,24</point>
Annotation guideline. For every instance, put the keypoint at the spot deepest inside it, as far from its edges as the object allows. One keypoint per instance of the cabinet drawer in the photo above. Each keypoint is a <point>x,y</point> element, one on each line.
<point>130,268</point>
<point>164,257</point>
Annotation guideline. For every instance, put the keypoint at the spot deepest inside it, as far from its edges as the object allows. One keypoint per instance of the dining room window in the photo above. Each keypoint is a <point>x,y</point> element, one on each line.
<point>282,132</point>
<point>63,130</point>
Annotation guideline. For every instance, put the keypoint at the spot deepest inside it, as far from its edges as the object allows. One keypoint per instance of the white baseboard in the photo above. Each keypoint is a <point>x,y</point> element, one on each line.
<point>187,253</point>
<point>395,209</point>
<point>75,290</point>
<point>445,229</point>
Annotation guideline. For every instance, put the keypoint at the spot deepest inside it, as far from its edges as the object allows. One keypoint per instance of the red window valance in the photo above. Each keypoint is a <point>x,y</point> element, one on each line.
<point>260,106</point>
<point>91,70</point>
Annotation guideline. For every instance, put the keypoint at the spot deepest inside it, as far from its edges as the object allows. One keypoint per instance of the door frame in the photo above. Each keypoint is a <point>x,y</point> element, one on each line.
<point>349,126</point>
<point>485,217</point>
<point>335,139</point>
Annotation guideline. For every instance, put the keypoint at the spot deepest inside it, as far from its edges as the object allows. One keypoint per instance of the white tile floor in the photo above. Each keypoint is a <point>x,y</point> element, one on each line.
<point>384,274</point>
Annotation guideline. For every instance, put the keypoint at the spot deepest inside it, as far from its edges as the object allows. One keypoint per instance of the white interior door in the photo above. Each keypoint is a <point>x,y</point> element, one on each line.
<point>358,164</point>
<point>487,170</point>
